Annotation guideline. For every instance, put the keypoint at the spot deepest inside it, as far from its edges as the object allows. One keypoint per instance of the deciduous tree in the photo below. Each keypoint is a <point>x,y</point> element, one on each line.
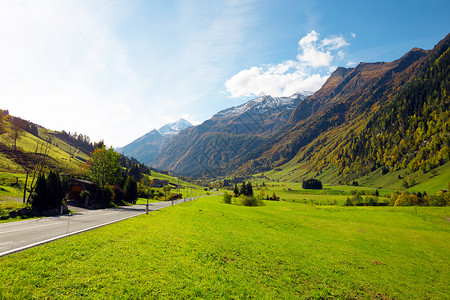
<point>15,131</point>
<point>104,167</point>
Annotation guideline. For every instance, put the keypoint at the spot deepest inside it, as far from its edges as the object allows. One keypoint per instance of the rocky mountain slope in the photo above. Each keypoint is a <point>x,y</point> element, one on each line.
<point>206,149</point>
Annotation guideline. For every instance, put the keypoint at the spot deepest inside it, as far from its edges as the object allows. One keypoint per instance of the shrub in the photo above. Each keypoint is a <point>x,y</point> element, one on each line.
<point>274,197</point>
<point>174,196</point>
<point>84,194</point>
<point>373,201</point>
<point>348,202</point>
<point>440,199</point>
<point>250,201</point>
<point>119,194</point>
<point>392,198</point>
<point>226,198</point>
<point>108,195</point>
<point>358,200</point>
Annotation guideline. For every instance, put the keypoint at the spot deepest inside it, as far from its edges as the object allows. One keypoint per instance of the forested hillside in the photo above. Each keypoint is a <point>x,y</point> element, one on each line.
<point>382,115</point>
<point>410,131</point>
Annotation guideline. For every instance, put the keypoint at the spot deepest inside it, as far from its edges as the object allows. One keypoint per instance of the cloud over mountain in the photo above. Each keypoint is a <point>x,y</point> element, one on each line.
<point>307,73</point>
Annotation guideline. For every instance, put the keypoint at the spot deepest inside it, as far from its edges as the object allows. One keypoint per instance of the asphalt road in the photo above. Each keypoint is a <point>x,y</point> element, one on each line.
<point>17,236</point>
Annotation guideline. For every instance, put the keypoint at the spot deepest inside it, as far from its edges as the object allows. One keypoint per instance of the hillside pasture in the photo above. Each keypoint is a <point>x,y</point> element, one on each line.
<point>58,158</point>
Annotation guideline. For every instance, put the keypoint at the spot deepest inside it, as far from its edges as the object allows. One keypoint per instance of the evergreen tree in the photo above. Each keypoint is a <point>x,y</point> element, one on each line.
<point>131,192</point>
<point>312,184</point>
<point>39,196</point>
<point>54,190</point>
<point>249,189</point>
<point>236,190</point>
<point>243,190</point>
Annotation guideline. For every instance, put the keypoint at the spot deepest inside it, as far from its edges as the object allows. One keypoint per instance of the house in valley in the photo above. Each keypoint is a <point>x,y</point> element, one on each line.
<point>158,183</point>
<point>76,186</point>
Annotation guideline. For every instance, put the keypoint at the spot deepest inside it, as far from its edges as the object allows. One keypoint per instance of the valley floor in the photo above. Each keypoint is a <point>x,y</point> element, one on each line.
<point>208,249</point>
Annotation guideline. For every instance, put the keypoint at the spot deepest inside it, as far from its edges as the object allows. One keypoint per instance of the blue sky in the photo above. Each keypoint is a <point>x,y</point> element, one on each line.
<point>114,70</point>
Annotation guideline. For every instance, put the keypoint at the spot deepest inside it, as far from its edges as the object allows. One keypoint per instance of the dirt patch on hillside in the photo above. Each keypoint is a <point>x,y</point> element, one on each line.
<point>13,199</point>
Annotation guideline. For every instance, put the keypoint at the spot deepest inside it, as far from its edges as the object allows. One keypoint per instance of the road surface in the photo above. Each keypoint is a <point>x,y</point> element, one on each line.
<point>17,236</point>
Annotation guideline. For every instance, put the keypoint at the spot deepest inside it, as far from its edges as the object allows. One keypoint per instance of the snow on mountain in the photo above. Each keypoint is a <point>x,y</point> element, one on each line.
<point>174,127</point>
<point>262,105</point>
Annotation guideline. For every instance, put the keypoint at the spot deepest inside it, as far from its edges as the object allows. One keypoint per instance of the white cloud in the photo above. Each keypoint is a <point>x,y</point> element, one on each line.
<point>267,81</point>
<point>310,54</point>
<point>334,43</point>
<point>306,74</point>
<point>353,35</point>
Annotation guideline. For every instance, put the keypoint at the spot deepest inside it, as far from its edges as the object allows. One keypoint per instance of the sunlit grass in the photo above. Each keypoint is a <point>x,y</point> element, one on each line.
<point>208,249</point>
<point>28,143</point>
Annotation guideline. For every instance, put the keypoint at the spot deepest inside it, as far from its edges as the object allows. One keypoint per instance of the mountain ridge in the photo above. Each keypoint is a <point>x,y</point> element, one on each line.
<point>205,149</point>
<point>353,98</point>
<point>348,101</point>
<point>147,147</point>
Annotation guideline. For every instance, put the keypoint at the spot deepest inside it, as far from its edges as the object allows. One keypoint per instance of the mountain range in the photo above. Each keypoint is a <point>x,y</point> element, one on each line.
<point>377,116</point>
<point>230,133</point>
<point>148,146</point>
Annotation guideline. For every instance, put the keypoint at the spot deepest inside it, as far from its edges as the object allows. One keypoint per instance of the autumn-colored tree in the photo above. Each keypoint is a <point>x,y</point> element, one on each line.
<point>262,194</point>
<point>406,199</point>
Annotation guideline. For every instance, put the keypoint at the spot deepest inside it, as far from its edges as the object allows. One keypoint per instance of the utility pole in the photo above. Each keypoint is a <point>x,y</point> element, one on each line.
<point>146,207</point>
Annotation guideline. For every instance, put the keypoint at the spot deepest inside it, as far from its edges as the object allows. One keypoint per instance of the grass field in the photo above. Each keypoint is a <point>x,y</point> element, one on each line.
<point>208,249</point>
<point>330,194</point>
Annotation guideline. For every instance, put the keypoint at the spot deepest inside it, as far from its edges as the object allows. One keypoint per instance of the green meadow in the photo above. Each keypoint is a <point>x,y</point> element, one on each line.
<point>208,249</point>
<point>329,195</point>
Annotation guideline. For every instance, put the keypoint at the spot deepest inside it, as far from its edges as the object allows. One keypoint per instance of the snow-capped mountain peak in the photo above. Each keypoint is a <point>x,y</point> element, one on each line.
<point>263,104</point>
<point>175,127</point>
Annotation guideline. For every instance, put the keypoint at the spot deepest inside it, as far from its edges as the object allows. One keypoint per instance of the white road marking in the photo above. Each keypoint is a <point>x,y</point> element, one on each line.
<point>5,243</point>
<point>27,228</point>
